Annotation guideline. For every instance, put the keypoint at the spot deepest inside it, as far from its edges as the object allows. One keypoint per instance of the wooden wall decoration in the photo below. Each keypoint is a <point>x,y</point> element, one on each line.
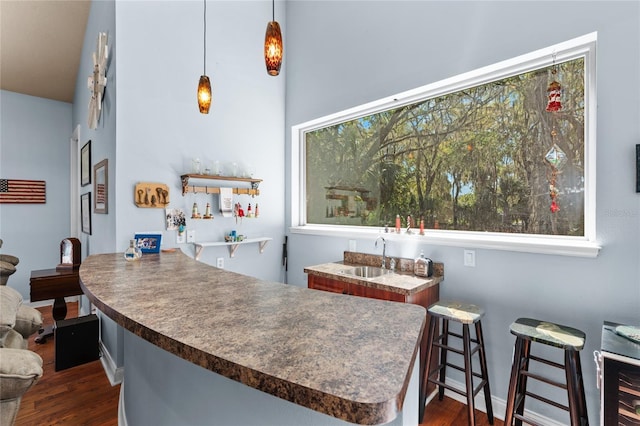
<point>151,195</point>
<point>18,191</point>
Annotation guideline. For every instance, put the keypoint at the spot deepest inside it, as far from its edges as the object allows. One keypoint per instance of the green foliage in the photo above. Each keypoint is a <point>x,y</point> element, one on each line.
<point>469,160</point>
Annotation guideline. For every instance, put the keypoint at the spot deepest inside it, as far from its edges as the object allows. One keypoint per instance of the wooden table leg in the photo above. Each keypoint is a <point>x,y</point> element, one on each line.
<point>59,312</point>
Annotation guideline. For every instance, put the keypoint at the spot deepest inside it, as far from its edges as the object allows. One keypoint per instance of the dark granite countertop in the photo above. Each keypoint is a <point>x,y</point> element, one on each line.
<point>402,281</point>
<point>348,357</point>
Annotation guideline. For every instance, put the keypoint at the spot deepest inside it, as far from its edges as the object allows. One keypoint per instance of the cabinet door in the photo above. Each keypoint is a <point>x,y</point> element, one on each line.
<point>327,284</point>
<point>374,293</point>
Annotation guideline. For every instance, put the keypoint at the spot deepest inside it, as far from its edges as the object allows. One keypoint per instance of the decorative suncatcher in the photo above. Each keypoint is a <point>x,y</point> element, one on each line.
<point>555,157</point>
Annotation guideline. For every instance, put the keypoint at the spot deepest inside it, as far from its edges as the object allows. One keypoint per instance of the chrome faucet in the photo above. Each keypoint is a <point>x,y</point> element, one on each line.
<point>384,251</point>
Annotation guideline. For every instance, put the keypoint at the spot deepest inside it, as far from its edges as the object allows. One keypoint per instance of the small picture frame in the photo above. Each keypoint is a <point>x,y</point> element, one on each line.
<point>101,187</point>
<point>85,212</point>
<point>149,243</point>
<point>638,168</point>
<point>85,164</point>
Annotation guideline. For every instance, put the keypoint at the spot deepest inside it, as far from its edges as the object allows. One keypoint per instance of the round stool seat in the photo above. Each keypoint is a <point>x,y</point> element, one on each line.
<point>464,313</point>
<point>9,259</point>
<point>548,333</point>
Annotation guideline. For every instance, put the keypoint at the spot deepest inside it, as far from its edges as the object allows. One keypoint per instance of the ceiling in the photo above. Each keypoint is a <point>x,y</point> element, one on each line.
<point>40,46</point>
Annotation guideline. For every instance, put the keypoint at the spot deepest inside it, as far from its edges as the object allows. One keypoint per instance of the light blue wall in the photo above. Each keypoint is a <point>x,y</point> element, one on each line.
<point>342,54</point>
<point>160,59</point>
<point>103,139</point>
<point>34,144</point>
<point>103,146</point>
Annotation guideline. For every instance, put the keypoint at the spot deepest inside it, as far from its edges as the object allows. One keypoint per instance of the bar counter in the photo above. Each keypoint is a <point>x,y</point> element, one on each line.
<point>347,357</point>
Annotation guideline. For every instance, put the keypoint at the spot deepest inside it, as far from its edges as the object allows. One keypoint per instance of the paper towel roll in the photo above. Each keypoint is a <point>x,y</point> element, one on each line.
<point>226,202</point>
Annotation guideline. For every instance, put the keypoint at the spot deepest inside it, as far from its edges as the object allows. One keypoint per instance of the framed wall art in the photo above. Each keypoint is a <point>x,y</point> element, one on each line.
<point>85,212</point>
<point>149,243</point>
<point>101,187</point>
<point>638,168</point>
<point>85,164</point>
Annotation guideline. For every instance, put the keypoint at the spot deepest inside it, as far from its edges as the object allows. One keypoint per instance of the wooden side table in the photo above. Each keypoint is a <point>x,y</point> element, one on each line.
<point>54,284</point>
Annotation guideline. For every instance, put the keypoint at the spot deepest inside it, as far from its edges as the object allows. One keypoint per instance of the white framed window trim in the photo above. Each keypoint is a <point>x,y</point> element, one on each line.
<point>587,246</point>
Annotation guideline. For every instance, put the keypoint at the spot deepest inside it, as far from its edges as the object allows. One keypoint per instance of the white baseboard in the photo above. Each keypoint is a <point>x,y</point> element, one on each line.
<point>499,405</point>
<point>114,374</point>
<point>122,415</point>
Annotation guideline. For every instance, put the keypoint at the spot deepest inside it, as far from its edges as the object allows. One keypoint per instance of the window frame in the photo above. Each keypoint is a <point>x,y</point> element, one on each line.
<point>584,246</point>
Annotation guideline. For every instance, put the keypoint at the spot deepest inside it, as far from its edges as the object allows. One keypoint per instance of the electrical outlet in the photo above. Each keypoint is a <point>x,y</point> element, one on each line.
<point>180,238</point>
<point>191,236</point>
<point>470,258</point>
<point>220,262</point>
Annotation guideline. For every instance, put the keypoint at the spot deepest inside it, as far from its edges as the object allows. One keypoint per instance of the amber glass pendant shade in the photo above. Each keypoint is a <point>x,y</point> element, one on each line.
<point>204,94</point>
<point>273,49</point>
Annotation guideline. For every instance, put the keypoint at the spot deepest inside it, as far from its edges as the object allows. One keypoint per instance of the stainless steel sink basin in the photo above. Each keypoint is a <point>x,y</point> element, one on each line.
<point>366,272</point>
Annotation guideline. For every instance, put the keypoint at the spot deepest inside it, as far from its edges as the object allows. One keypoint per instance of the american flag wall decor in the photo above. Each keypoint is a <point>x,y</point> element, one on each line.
<point>22,191</point>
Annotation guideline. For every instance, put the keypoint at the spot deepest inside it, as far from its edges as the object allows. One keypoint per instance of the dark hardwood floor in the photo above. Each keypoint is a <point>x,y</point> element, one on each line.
<point>82,395</point>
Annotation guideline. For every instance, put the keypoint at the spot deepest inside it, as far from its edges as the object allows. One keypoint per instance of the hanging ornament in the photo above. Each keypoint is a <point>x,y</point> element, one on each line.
<point>556,158</point>
<point>554,90</point>
<point>553,93</point>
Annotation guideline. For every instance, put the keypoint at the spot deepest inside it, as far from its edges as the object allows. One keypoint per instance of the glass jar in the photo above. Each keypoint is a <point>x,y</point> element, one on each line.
<point>133,253</point>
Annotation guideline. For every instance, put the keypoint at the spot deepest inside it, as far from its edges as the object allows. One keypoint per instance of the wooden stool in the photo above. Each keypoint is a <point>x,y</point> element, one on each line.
<point>569,339</point>
<point>465,314</point>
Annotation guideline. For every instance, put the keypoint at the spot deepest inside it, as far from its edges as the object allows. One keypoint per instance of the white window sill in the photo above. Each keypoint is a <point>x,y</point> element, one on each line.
<point>543,244</point>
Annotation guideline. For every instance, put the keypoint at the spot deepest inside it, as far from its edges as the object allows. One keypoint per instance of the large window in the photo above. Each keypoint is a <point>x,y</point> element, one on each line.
<point>501,151</point>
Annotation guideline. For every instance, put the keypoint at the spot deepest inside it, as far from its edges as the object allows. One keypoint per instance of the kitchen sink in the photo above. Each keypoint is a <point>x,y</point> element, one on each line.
<point>366,271</point>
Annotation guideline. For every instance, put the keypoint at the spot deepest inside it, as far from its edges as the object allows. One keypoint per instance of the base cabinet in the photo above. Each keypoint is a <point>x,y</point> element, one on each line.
<point>423,298</point>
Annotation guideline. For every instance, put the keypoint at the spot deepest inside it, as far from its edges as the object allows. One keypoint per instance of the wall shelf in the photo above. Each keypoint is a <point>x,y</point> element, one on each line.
<point>206,189</point>
<point>262,241</point>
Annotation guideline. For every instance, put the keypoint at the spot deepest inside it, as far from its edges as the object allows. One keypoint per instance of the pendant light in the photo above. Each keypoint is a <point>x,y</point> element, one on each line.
<point>204,86</point>
<point>273,48</point>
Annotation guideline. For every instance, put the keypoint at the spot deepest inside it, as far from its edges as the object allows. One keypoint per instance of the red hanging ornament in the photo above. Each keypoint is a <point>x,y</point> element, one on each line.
<point>554,90</point>
<point>553,192</point>
<point>553,93</point>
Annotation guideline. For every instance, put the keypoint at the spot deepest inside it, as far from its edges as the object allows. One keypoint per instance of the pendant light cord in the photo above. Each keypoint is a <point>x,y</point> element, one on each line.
<point>273,10</point>
<point>205,37</point>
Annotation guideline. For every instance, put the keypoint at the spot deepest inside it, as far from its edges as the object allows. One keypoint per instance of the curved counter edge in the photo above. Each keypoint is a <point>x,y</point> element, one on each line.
<point>288,364</point>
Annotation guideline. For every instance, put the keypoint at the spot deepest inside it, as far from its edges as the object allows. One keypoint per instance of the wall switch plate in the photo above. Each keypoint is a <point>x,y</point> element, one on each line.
<point>470,258</point>
<point>220,262</point>
<point>191,236</point>
<point>181,238</point>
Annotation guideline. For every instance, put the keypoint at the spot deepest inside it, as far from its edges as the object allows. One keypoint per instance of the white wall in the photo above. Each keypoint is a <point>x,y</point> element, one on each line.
<point>34,144</point>
<point>342,54</point>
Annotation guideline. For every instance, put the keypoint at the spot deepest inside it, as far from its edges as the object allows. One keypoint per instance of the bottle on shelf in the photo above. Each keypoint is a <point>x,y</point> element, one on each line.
<point>133,253</point>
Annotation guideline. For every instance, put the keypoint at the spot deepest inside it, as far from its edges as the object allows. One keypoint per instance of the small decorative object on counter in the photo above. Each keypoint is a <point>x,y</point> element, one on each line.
<point>133,253</point>
<point>397,224</point>
<point>408,224</point>
<point>257,211</point>
<point>421,226</point>
<point>423,267</point>
<point>249,212</point>
<point>194,212</point>
<point>207,212</point>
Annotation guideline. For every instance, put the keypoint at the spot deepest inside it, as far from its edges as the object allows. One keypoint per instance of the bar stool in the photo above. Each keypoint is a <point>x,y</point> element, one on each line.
<point>569,339</point>
<point>465,314</point>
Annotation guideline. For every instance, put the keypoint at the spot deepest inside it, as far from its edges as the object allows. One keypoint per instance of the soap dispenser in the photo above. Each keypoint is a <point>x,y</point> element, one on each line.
<point>422,266</point>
